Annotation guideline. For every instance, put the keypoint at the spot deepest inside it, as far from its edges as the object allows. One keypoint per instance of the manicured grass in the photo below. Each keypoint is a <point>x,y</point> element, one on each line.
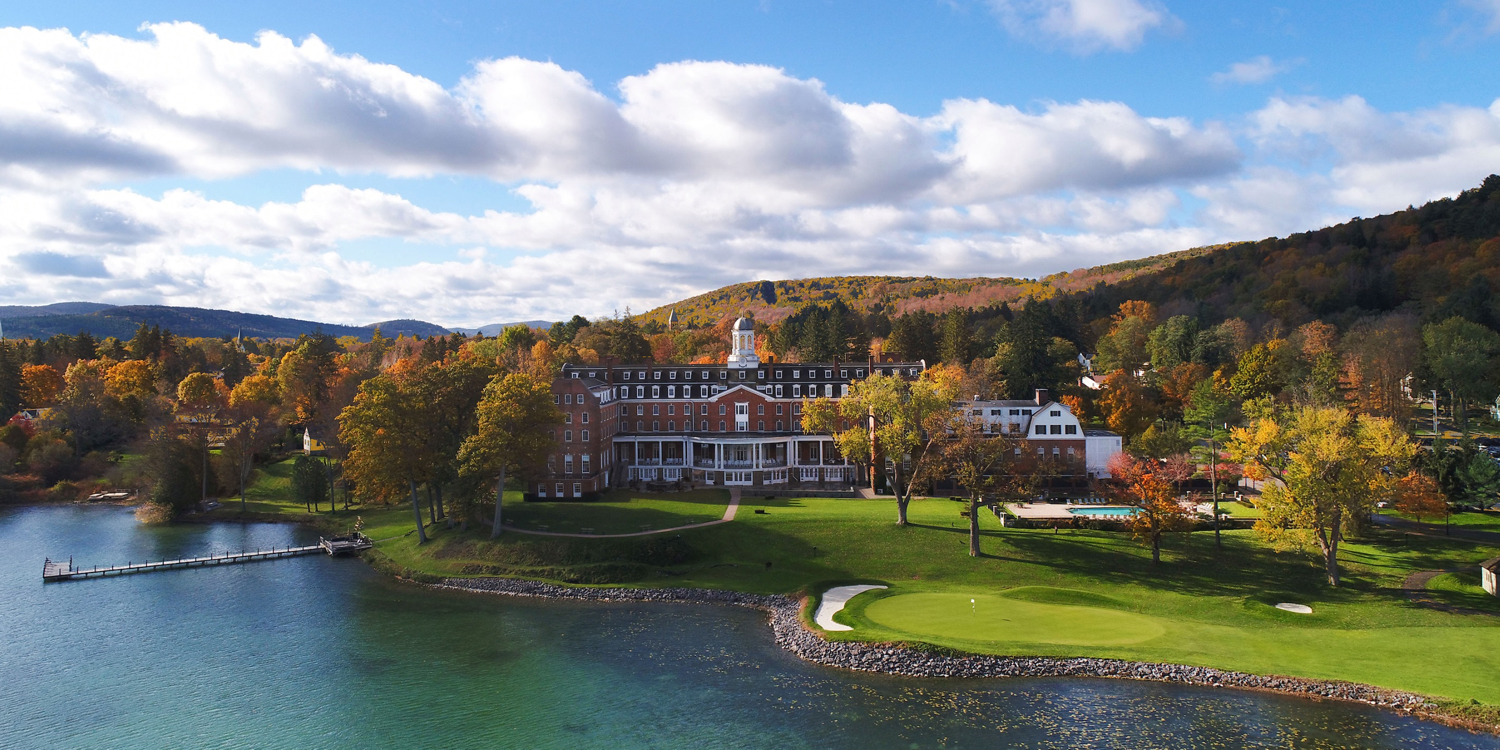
<point>1238,510</point>
<point>992,617</point>
<point>1485,520</point>
<point>619,512</point>
<point>1463,590</point>
<point>1214,607</point>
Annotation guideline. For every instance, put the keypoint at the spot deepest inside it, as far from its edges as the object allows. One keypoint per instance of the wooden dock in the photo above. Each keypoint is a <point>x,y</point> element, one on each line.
<point>54,570</point>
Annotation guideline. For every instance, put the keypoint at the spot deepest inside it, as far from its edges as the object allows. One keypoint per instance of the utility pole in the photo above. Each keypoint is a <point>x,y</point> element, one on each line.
<point>1434,415</point>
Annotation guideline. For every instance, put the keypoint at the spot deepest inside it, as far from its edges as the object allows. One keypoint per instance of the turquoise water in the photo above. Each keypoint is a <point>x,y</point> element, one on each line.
<point>1102,511</point>
<point>317,652</point>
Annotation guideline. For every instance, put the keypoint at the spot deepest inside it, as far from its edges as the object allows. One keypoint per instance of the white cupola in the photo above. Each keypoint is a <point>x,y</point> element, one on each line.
<point>742,345</point>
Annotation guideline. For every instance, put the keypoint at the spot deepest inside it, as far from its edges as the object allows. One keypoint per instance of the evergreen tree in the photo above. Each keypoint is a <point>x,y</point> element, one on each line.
<point>958,343</point>
<point>10,380</point>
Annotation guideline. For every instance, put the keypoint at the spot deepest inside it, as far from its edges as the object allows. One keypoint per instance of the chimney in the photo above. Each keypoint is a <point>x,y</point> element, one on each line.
<point>1042,396</point>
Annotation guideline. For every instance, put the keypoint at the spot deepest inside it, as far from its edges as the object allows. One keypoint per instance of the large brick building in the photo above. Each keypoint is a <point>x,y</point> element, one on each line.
<point>735,424</point>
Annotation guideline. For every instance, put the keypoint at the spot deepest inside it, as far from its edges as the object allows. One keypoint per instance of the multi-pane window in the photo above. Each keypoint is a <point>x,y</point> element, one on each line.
<point>760,409</point>
<point>585,417</point>
<point>567,436</point>
<point>568,464</point>
<point>778,409</point>
<point>671,409</point>
<point>721,410</point>
<point>703,425</point>
<point>1071,429</point>
<point>778,391</point>
<point>721,426</point>
<point>586,463</point>
<point>584,436</point>
<point>778,425</point>
<point>656,410</point>
<point>655,426</point>
<point>672,390</point>
<point>655,391</point>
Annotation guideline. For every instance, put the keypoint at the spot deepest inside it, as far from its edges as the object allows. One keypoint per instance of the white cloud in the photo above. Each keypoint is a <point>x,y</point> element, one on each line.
<point>1086,26</point>
<point>1255,70</point>
<point>691,175</point>
<point>1490,10</point>
<point>1381,161</point>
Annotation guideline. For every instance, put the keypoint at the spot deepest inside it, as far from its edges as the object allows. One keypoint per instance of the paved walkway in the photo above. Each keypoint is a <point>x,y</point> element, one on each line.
<point>734,506</point>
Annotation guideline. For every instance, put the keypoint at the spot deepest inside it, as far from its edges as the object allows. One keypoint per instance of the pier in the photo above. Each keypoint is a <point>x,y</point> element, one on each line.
<point>57,570</point>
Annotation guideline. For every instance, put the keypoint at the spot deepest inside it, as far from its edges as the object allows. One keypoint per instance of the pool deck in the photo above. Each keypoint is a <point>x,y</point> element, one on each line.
<point>1051,511</point>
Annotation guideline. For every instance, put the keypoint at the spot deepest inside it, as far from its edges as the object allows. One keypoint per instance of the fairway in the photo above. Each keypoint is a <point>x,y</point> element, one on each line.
<point>993,617</point>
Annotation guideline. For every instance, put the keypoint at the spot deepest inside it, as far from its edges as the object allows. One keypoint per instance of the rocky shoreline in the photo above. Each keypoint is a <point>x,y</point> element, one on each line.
<point>896,659</point>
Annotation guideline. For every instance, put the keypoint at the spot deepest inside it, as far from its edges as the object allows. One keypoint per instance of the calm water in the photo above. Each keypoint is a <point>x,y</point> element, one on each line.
<point>316,652</point>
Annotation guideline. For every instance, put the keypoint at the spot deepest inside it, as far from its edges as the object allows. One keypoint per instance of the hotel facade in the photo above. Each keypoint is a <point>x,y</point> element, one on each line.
<point>740,424</point>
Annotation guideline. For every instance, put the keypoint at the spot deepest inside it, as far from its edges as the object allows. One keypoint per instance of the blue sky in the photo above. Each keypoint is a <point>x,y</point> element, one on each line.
<point>468,163</point>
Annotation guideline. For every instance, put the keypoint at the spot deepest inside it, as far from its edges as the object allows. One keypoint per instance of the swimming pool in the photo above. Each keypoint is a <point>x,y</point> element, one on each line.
<point>1111,512</point>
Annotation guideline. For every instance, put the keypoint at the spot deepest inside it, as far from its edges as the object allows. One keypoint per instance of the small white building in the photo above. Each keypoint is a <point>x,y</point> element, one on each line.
<point>1050,428</point>
<point>1489,570</point>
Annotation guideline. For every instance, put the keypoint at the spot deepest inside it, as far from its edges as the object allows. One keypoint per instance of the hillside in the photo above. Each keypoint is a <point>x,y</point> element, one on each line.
<point>122,321</point>
<point>773,301</point>
<point>10,312</point>
<point>1440,258</point>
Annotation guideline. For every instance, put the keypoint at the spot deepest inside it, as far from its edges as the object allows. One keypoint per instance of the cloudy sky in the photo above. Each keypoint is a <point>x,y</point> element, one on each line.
<point>472,163</point>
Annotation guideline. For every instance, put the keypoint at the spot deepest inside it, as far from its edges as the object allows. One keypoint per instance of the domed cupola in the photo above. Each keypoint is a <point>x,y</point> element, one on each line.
<point>742,345</point>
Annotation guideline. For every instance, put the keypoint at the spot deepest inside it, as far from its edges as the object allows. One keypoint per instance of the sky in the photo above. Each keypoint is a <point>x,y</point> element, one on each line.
<point>469,163</point>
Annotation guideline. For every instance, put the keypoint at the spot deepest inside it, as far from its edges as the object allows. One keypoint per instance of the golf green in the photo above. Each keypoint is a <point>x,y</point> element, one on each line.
<point>988,617</point>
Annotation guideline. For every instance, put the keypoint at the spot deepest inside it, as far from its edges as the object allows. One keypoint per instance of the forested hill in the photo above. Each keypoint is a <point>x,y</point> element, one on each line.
<point>1443,256</point>
<point>1438,260</point>
<point>772,301</point>
<point>121,322</point>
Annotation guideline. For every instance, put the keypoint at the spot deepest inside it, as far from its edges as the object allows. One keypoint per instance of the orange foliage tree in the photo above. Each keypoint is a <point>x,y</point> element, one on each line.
<point>40,385</point>
<point>1143,483</point>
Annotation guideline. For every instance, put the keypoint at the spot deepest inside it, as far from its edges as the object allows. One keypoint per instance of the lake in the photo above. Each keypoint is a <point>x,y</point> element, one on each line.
<point>318,652</point>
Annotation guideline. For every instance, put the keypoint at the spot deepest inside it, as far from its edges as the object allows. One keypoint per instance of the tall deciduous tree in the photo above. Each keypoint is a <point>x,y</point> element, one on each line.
<point>309,482</point>
<point>515,431</point>
<point>387,446</point>
<point>1461,358</point>
<point>886,417</point>
<point>982,464</point>
<point>1419,495</point>
<point>1327,468</point>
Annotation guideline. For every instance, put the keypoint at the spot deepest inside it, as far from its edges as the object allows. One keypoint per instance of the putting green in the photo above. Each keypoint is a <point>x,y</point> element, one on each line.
<point>998,618</point>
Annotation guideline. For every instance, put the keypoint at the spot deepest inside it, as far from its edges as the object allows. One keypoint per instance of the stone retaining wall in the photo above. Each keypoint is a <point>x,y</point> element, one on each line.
<point>792,635</point>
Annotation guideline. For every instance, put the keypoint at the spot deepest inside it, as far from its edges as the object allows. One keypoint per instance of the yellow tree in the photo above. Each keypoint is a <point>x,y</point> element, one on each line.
<point>197,392</point>
<point>888,417</point>
<point>516,424</point>
<point>1146,485</point>
<point>131,378</point>
<point>1326,470</point>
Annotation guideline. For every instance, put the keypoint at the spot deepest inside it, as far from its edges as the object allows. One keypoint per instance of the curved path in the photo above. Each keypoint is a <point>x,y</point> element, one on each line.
<point>833,602</point>
<point>734,506</point>
<point>1415,586</point>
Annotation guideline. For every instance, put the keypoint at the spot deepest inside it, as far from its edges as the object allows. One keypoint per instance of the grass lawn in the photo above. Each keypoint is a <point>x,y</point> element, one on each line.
<point>1486,520</point>
<point>1073,593</point>
<point>619,512</point>
<point>1238,510</point>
